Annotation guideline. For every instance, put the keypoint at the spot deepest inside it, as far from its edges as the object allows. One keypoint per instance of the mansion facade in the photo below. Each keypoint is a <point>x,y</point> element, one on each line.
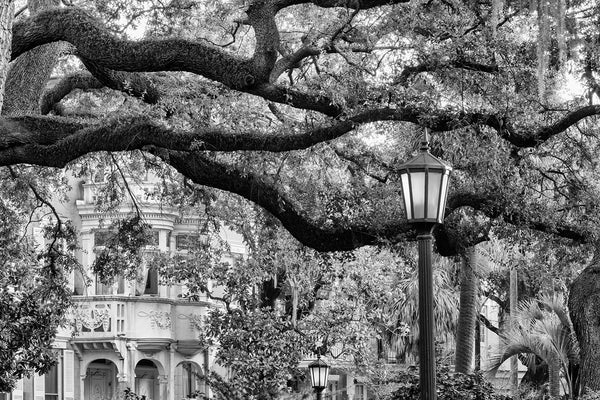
<point>134,334</point>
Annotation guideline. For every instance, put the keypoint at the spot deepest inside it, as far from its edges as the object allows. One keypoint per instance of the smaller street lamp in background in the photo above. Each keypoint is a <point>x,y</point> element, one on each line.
<point>424,190</point>
<point>319,372</point>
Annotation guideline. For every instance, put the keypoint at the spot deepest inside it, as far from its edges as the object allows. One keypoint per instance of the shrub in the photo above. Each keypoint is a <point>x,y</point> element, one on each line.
<point>590,395</point>
<point>449,386</point>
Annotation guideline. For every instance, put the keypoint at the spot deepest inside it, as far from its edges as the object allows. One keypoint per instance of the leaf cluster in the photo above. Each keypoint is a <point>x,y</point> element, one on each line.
<point>121,255</point>
<point>450,386</point>
<point>261,349</point>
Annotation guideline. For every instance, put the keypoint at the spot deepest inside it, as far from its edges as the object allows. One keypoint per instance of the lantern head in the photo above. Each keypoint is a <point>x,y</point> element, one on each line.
<point>425,186</point>
<point>319,372</point>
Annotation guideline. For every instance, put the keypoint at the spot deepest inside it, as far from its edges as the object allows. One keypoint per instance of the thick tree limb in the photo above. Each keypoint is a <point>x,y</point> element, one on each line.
<point>66,85</point>
<point>354,4</point>
<point>138,132</point>
<point>409,71</point>
<point>134,84</point>
<point>261,15</point>
<point>260,190</point>
<point>292,60</point>
<point>488,204</point>
<point>95,43</point>
<point>53,141</point>
<point>296,98</point>
<point>17,134</point>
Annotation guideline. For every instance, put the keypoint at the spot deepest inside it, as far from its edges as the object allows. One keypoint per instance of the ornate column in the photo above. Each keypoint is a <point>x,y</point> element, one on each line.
<point>82,387</point>
<point>123,383</point>
<point>163,380</point>
<point>171,392</point>
<point>131,348</point>
<point>68,375</point>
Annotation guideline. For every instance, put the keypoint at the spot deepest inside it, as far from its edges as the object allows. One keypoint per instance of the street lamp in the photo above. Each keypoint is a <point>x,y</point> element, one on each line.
<point>424,189</point>
<point>319,371</point>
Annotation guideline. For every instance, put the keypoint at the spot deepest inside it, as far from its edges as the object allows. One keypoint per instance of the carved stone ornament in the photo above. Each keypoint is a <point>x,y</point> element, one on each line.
<point>159,319</point>
<point>194,319</point>
<point>92,317</point>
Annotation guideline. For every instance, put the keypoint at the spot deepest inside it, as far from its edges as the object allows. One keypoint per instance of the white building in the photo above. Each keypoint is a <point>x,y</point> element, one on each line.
<point>134,334</point>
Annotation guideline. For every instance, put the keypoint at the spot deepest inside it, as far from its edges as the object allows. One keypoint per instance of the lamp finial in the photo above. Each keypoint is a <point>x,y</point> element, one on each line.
<point>425,141</point>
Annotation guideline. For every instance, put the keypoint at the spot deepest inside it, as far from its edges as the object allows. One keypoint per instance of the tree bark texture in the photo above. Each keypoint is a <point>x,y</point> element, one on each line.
<point>28,75</point>
<point>584,308</point>
<point>467,317</point>
<point>6,18</point>
<point>27,79</point>
<point>554,377</point>
<point>514,361</point>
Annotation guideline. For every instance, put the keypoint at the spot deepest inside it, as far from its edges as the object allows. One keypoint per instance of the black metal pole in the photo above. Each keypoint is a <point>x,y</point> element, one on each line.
<point>319,393</point>
<point>426,327</point>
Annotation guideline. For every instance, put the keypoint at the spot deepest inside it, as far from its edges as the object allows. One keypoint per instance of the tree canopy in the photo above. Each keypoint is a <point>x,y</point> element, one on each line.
<point>302,107</point>
<point>306,108</point>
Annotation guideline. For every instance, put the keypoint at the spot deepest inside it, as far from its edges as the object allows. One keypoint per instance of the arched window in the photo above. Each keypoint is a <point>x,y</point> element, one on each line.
<point>188,381</point>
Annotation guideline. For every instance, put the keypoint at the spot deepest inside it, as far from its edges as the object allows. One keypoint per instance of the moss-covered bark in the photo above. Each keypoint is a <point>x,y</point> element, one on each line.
<point>30,72</point>
<point>584,307</point>
<point>6,18</point>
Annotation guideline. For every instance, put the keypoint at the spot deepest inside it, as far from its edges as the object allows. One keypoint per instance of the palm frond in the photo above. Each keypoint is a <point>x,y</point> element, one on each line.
<point>542,327</point>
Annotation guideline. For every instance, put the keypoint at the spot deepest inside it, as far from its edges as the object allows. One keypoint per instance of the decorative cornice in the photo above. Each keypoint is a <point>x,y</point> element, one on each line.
<point>140,299</point>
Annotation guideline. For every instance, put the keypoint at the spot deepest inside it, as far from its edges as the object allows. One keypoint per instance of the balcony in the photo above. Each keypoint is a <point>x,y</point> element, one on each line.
<point>136,317</point>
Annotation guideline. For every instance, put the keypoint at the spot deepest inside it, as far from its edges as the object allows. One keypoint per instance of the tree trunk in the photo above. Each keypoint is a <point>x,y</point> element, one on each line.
<point>467,317</point>
<point>7,12</point>
<point>514,361</point>
<point>554,377</point>
<point>584,307</point>
<point>30,72</point>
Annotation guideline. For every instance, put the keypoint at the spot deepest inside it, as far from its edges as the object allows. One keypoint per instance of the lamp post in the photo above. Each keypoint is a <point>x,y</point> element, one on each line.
<point>424,189</point>
<point>319,372</point>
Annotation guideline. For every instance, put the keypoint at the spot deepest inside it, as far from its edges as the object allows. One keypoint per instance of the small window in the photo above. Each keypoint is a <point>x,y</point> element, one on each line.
<point>332,390</point>
<point>102,237</point>
<point>183,242</point>
<point>51,383</point>
<point>103,289</point>
<point>78,283</point>
<point>359,392</point>
<point>99,176</point>
<point>154,238</point>
<point>151,282</point>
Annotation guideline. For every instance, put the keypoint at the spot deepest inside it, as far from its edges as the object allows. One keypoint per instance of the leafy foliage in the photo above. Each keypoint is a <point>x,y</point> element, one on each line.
<point>121,254</point>
<point>450,386</point>
<point>261,349</point>
<point>34,294</point>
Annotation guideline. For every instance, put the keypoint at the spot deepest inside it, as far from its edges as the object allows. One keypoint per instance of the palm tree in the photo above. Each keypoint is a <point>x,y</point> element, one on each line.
<point>468,311</point>
<point>406,309</point>
<point>542,329</point>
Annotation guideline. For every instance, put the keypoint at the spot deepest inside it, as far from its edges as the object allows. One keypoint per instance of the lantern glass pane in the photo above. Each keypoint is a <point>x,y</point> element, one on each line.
<point>323,374</point>
<point>444,193</point>
<point>406,194</point>
<point>418,194</point>
<point>433,193</point>
<point>319,375</point>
